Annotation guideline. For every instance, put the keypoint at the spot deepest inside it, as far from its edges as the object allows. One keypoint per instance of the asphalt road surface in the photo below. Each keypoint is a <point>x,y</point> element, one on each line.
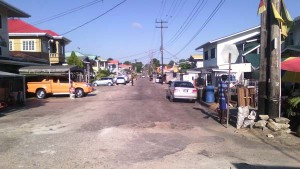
<point>135,127</point>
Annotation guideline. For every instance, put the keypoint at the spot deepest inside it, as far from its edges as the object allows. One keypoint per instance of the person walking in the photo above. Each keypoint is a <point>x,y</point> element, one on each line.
<point>222,93</point>
<point>131,80</point>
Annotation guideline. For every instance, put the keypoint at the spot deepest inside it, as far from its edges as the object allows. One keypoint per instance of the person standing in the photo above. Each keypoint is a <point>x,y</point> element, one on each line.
<point>222,93</point>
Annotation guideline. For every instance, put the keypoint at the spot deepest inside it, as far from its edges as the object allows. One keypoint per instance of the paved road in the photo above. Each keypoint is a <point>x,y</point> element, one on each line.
<point>136,127</point>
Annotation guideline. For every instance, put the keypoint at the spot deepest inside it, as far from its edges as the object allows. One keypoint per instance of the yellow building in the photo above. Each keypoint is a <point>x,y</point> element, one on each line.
<point>27,41</point>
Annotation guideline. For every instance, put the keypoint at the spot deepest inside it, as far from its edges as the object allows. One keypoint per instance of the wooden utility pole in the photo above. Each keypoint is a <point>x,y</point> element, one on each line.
<point>274,66</point>
<point>262,83</point>
<point>162,47</point>
<point>269,80</point>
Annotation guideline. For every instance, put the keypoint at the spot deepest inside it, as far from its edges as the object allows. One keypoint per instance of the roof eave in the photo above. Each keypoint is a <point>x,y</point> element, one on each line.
<point>13,11</point>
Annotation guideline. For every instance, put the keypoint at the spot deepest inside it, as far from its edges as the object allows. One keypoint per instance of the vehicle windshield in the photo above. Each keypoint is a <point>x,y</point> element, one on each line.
<point>184,84</point>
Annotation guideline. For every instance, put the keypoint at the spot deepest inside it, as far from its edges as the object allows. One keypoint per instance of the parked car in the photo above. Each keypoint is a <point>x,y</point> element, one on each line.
<point>121,80</point>
<point>143,76</point>
<point>57,86</point>
<point>181,90</point>
<point>104,81</point>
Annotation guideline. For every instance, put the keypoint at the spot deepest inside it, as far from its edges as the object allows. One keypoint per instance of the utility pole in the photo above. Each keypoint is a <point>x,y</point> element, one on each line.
<point>161,46</point>
<point>269,81</point>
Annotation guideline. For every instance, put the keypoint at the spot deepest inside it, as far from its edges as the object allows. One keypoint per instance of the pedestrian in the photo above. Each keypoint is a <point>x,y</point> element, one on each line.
<point>131,80</point>
<point>222,94</point>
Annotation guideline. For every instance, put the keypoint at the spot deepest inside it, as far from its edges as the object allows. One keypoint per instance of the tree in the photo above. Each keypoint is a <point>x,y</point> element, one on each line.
<point>102,73</point>
<point>184,66</point>
<point>156,62</point>
<point>171,63</point>
<point>74,60</point>
<point>182,60</point>
<point>127,63</point>
<point>138,66</point>
<point>109,59</point>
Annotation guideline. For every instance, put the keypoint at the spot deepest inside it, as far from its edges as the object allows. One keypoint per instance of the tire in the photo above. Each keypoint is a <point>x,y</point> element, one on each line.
<point>117,83</point>
<point>95,84</point>
<point>79,93</point>
<point>109,84</point>
<point>41,94</point>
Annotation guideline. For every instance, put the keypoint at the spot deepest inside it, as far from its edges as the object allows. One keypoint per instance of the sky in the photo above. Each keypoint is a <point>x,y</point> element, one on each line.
<point>128,30</point>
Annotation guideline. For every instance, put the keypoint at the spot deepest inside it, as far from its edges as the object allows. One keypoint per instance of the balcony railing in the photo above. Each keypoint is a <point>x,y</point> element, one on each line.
<point>55,58</point>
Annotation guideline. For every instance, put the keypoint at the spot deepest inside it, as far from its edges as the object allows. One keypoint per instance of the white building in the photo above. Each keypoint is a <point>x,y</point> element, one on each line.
<point>239,45</point>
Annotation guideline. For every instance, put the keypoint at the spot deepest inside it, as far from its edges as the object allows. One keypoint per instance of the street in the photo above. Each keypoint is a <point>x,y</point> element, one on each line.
<point>136,127</point>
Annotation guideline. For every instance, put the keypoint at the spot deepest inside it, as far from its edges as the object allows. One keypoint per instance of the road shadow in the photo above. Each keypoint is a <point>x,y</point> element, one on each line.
<point>250,166</point>
<point>213,114</point>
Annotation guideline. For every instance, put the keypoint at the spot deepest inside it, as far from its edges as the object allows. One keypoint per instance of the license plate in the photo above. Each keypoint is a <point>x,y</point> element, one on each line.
<point>185,90</point>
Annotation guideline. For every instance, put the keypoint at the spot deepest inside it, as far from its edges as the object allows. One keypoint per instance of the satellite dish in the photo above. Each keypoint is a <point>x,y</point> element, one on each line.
<point>229,48</point>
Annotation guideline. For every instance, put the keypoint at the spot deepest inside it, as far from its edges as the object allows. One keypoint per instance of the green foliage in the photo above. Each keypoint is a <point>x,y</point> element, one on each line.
<point>74,60</point>
<point>102,73</point>
<point>109,59</point>
<point>138,66</point>
<point>293,106</point>
<point>171,63</point>
<point>182,60</point>
<point>155,63</point>
<point>185,65</point>
<point>127,63</point>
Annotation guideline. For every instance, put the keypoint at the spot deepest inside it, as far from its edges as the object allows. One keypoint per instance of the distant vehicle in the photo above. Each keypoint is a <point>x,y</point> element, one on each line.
<point>104,81</point>
<point>158,79</point>
<point>143,76</point>
<point>121,80</point>
<point>57,86</point>
<point>181,90</point>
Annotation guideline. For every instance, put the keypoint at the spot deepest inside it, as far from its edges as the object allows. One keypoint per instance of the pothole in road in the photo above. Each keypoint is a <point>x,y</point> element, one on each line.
<point>148,141</point>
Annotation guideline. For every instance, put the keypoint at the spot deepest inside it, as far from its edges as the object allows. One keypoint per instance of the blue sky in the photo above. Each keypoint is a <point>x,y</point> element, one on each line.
<point>129,32</point>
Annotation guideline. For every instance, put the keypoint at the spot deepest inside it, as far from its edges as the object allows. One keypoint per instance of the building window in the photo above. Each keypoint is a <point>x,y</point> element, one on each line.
<point>28,45</point>
<point>0,51</point>
<point>206,55</point>
<point>10,45</point>
<point>213,53</point>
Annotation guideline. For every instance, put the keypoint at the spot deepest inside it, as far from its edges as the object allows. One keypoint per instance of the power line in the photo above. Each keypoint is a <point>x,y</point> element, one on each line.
<point>204,24</point>
<point>62,13</point>
<point>188,22</point>
<point>94,18</point>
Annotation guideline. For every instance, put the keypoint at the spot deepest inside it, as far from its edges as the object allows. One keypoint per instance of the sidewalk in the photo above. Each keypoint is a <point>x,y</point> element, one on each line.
<point>279,137</point>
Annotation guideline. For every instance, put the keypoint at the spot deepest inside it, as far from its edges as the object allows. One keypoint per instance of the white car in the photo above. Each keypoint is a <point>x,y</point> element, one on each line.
<point>121,80</point>
<point>104,81</point>
<point>181,90</point>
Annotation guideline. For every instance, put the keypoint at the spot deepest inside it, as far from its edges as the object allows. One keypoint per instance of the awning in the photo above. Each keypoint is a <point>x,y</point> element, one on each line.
<point>254,59</point>
<point>49,69</point>
<point>7,74</point>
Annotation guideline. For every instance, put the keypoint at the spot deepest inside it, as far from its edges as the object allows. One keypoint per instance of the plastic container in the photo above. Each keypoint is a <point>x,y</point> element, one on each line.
<point>210,94</point>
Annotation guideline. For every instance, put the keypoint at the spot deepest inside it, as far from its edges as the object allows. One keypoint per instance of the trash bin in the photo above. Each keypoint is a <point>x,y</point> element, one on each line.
<point>210,94</point>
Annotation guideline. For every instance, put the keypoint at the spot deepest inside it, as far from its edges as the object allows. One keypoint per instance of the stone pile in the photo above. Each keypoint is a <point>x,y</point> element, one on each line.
<point>279,124</point>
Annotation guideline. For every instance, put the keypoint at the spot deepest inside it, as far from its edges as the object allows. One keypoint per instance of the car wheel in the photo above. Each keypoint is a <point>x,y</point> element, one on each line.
<point>117,83</point>
<point>41,94</point>
<point>79,93</point>
<point>109,84</point>
<point>95,84</point>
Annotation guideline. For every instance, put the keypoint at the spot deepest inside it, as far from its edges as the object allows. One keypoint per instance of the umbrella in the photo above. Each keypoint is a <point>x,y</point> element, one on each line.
<point>290,70</point>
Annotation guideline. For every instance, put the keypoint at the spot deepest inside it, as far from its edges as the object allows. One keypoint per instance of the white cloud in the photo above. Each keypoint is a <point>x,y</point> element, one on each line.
<point>137,25</point>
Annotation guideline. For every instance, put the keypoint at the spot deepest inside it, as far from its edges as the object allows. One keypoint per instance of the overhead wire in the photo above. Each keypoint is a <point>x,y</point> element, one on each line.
<point>95,18</point>
<point>59,15</point>
<point>204,24</point>
<point>188,23</point>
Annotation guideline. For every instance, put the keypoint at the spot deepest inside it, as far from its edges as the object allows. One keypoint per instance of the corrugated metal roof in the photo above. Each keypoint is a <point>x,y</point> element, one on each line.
<point>48,69</point>
<point>7,74</point>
